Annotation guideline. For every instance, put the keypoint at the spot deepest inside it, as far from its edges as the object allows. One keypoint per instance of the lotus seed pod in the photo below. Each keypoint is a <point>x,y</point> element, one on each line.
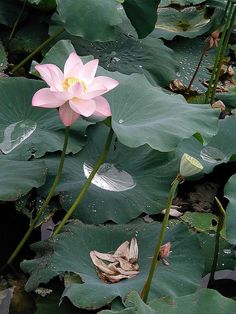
<point>189,166</point>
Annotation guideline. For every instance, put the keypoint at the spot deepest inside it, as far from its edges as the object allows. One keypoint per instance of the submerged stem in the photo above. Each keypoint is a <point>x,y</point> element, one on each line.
<point>147,285</point>
<point>38,49</point>
<point>220,226</point>
<point>87,183</point>
<point>45,204</point>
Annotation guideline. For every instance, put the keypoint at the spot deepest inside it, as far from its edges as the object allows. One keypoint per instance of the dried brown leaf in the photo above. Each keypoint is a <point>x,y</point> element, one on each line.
<point>133,251</point>
<point>123,250</point>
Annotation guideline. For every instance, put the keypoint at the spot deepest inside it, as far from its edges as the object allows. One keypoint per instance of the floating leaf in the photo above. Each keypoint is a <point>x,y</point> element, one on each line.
<point>182,276</point>
<point>200,221</point>
<point>189,22</point>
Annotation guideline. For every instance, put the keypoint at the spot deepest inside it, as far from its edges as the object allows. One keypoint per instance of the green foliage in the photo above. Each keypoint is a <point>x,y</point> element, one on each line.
<point>82,18</point>
<point>19,177</point>
<point>130,182</point>
<point>204,300</point>
<point>3,58</point>
<point>190,22</point>
<point>229,192</point>
<point>26,131</point>
<point>142,14</point>
<point>78,240</point>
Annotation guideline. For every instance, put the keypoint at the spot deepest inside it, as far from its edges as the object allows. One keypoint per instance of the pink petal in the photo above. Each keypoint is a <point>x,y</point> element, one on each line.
<point>103,82</point>
<point>88,71</point>
<point>67,115</point>
<point>92,94</point>
<point>102,107</point>
<point>52,75</point>
<point>99,86</point>
<point>72,62</point>
<point>75,90</point>
<point>47,99</point>
<point>84,107</point>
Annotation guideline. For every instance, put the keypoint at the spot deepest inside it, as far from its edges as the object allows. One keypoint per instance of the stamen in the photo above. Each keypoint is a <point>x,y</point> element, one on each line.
<point>72,81</point>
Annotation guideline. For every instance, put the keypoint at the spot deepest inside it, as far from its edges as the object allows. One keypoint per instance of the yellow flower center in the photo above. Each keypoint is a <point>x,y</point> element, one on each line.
<point>72,81</point>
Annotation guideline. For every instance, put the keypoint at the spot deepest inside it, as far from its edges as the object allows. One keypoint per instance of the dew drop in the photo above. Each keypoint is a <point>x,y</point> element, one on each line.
<point>110,178</point>
<point>227,251</point>
<point>15,134</point>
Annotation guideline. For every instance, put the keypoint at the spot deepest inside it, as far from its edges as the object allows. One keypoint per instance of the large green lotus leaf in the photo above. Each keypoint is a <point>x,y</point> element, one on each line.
<point>190,22</point>
<point>130,182</point>
<point>187,53</point>
<point>230,194</point>
<point>93,20</point>
<point>142,14</point>
<point>165,3</point>
<point>26,131</point>
<point>19,177</point>
<point>182,276</point>
<point>129,55</point>
<point>203,301</point>
<point>143,114</point>
<point>220,148</point>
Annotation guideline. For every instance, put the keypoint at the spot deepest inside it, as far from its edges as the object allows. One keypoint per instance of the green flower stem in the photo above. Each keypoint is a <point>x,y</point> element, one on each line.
<point>86,186</point>
<point>225,45</point>
<point>197,68</point>
<point>45,204</point>
<point>38,49</point>
<point>147,285</point>
<point>219,50</point>
<point>221,220</point>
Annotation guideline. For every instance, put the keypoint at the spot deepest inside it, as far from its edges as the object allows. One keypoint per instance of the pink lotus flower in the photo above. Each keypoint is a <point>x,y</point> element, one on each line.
<point>76,91</point>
